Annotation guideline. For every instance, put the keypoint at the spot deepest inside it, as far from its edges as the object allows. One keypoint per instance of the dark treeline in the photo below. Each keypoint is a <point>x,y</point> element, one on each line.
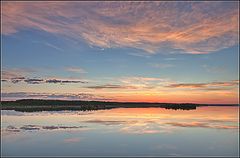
<point>32,105</point>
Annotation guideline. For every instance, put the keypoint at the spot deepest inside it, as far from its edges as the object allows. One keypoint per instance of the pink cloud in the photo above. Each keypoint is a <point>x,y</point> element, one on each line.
<point>222,84</point>
<point>195,28</point>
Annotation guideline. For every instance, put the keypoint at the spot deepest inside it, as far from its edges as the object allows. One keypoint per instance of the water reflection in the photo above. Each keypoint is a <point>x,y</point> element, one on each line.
<point>37,127</point>
<point>72,140</point>
<point>122,132</point>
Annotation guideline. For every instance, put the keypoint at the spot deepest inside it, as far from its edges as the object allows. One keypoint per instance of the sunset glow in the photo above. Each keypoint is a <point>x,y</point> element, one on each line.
<point>173,52</point>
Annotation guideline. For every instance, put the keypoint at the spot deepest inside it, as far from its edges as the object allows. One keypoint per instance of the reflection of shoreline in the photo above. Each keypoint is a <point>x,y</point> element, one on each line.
<point>34,105</point>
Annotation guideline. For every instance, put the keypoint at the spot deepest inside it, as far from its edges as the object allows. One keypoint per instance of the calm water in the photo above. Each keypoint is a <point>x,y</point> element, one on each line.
<point>207,131</point>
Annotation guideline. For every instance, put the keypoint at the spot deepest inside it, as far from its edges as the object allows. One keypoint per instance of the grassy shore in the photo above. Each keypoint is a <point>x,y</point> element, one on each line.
<point>34,105</point>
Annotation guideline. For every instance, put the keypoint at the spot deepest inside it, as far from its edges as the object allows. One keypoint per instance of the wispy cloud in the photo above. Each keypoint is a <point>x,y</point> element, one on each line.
<point>111,86</point>
<point>140,79</point>
<point>16,79</point>
<point>54,46</point>
<point>144,55</point>
<point>16,73</point>
<point>69,96</point>
<point>214,69</point>
<point>75,70</point>
<point>144,82</point>
<point>233,83</point>
<point>33,81</point>
<point>20,75</point>
<point>131,83</point>
<point>63,81</point>
<point>190,27</point>
<point>41,81</point>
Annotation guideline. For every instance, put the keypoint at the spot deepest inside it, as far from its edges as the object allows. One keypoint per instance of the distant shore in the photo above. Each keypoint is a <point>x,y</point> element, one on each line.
<point>35,105</point>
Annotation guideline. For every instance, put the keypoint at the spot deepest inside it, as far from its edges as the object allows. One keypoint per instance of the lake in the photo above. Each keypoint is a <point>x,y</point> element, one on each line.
<point>206,131</point>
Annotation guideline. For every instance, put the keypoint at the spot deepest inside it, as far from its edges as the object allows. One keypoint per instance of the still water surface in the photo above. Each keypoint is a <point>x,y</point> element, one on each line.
<point>206,131</point>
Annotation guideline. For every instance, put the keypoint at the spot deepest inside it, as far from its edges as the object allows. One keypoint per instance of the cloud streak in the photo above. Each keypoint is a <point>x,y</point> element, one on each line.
<point>75,70</point>
<point>106,122</point>
<point>208,86</point>
<point>201,125</point>
<point>112,86</point>
<point>16,80</point>
<point>188,27</point>
<point>20,75</point>
<point>16,73</point>
<point>68,96</point>
<point>33,81</point>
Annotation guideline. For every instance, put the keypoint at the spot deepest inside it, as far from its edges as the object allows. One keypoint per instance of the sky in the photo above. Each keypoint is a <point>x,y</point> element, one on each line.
<point>175,52</point>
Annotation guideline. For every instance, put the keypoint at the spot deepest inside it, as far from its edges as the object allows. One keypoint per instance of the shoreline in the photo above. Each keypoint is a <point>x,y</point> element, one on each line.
<point>36,105</point>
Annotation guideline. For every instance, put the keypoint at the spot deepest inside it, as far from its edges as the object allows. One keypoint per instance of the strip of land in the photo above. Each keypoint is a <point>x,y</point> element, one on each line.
<point>35,105</point>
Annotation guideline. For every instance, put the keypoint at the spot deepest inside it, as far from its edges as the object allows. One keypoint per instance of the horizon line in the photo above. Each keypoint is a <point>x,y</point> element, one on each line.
<point>127,102</point>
